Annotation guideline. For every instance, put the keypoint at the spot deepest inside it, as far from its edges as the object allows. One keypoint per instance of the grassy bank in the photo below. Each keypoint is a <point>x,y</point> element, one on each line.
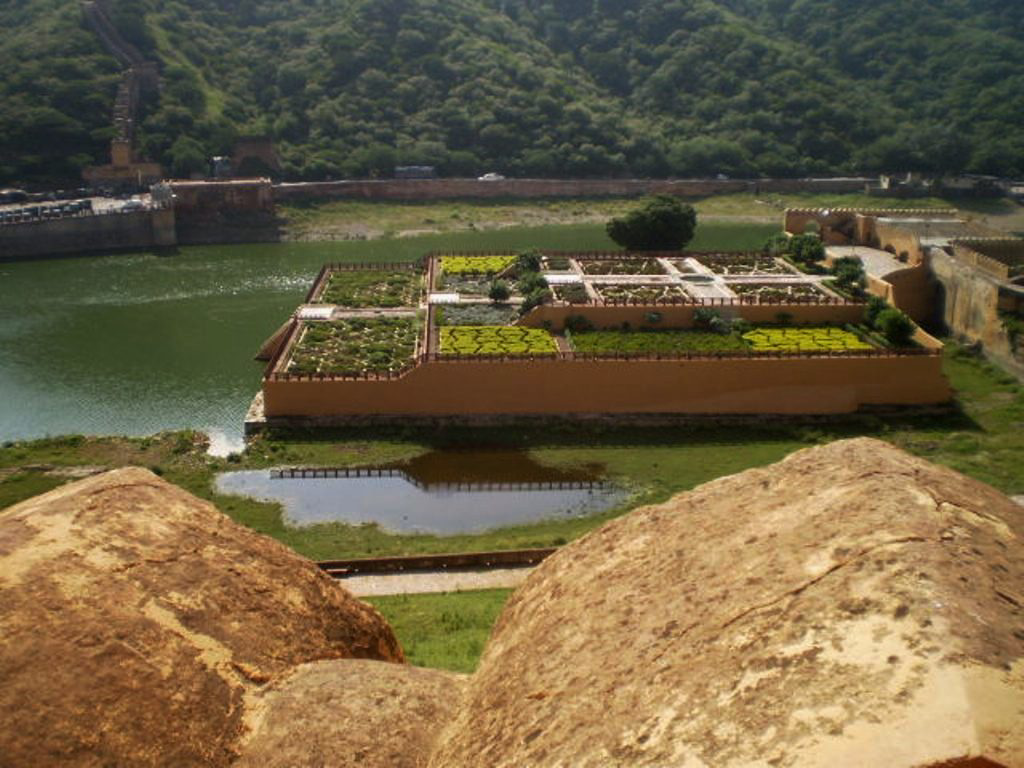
<point>983,439</point>
<point>448,630</point>
<point>357,219</point>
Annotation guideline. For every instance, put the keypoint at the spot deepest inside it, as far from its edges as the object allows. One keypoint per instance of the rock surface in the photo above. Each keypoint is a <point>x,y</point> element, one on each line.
<point>848,606</point>
<point>138,623</point>
<point>351,714</point>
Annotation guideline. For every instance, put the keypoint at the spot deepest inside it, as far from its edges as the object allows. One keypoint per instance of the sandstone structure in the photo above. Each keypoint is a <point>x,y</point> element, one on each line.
<point>139,624</point>
<point>848,606</point>
<point>358,714</point>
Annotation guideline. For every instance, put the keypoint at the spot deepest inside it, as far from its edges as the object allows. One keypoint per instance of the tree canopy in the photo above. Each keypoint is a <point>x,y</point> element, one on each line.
<point>662,224</point>
<point>530,87</point>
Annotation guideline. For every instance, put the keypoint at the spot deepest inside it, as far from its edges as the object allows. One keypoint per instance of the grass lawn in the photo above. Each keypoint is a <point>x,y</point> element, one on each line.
<point>446,631</point>
<point>360,219</point>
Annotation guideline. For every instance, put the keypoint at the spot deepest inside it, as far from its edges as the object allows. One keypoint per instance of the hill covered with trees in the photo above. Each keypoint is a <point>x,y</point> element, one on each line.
<point>531,87</point>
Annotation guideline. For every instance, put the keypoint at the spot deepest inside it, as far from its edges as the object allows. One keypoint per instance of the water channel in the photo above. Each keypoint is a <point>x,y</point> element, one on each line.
<point>441,492</point>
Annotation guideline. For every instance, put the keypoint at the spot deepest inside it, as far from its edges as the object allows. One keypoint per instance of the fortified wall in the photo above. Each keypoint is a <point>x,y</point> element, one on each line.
<point>978,289</point>
<point>81,234</point>
<point>229,211</point>
<point>440,189</point>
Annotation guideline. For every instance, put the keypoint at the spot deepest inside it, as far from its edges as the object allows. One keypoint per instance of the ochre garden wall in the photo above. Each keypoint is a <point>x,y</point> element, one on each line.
<point>825,385</point>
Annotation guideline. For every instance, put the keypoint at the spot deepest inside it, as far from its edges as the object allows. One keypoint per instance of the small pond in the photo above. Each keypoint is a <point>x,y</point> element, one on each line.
<point>441,492</point>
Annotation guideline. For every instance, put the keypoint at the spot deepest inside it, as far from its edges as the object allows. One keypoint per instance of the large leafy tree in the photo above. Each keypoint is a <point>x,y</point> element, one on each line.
<point>663,224</point>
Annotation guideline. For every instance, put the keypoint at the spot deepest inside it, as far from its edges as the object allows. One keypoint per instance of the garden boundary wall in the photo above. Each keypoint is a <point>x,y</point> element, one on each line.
<point>440,189</point>
<point>749,385</point>
<point>97,232</point>
<point>970,300</point>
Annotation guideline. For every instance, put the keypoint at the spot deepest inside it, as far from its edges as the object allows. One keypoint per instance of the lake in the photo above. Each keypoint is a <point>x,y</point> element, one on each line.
<point>136,343</point>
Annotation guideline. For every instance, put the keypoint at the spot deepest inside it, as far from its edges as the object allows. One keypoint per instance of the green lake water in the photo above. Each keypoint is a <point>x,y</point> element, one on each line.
<point>136,343</point>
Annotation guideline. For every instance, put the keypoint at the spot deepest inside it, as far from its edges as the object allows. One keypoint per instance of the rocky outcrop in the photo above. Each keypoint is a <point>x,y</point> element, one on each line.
<point>351,714</point>
<point>848,606</point>
<point>139,624</point>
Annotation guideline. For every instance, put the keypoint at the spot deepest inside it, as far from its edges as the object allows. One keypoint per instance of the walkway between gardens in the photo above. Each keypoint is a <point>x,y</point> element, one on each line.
<point>434,581</point>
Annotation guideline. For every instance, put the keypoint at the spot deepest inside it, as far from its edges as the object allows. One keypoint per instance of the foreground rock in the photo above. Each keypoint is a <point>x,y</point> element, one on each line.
<point>351,714</point>
<point>849,606</point>
<point>139,623</point>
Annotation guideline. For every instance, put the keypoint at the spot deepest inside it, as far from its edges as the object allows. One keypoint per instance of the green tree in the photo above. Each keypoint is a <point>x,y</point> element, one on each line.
<point>897,328</point>
<point>498,291</point>
<point>187,157</point>
<point>663,224</point>
<point>849,272</point>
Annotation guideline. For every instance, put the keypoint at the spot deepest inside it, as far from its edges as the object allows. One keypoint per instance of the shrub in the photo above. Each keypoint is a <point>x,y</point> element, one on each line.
<point>533,299</point>
<point>776,245</point>
<point>806,248</point>
<point>578,324</point>
<point>849,272</point>
<point>704,317</point>
<point>783,318</point>
<point>720,325</point>
<point>653,317</point>
<point>528,261</point>
<point>875,306</point>
<point>530,282</point>
<point>499,291</point>
<point>740,326</point>
<point>897,328</point>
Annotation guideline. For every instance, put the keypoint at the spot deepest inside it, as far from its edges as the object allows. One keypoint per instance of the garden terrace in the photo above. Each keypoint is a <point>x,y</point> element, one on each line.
<point>812,339</point>
<point>653,293</point>
<point>776,292</point>
<point>745,265</point>
<point>654,343</point>
<point>476,314</point>
<point>358,286</point>
<point>475,358</point>
<point>477,265</point>
<point>572,293</point>
<point>496,341</point>
<point>621,266</point>
<point>353,347</point>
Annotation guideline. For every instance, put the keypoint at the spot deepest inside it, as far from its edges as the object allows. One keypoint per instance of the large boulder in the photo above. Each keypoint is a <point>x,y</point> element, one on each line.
<point>139,623</point>
<point>848,606</point>
<point>351,714</point>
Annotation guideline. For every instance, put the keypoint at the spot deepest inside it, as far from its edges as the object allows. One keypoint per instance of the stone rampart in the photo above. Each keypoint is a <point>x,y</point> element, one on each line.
<point>81,234</point>
<point>970,302</point>
<point>439,189</point>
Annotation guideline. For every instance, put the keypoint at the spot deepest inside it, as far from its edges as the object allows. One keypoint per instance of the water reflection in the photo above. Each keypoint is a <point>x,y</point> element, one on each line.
<point>442,492</point>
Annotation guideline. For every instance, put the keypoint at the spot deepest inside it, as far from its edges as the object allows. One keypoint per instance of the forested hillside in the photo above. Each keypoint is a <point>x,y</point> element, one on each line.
<point>532,87</point>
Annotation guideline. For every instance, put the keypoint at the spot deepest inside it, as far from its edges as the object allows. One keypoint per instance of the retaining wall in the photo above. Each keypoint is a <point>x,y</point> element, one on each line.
<point>826,385</point>
<point>437,189</point>
<point>115,231</point>
<point>969,306</point>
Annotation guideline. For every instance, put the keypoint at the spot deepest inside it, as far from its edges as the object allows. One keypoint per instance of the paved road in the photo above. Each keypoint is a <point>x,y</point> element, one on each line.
<point>434,581</point>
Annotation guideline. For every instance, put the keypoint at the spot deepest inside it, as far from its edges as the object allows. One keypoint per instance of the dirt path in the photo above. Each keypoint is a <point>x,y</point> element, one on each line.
<point>434,581</point>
